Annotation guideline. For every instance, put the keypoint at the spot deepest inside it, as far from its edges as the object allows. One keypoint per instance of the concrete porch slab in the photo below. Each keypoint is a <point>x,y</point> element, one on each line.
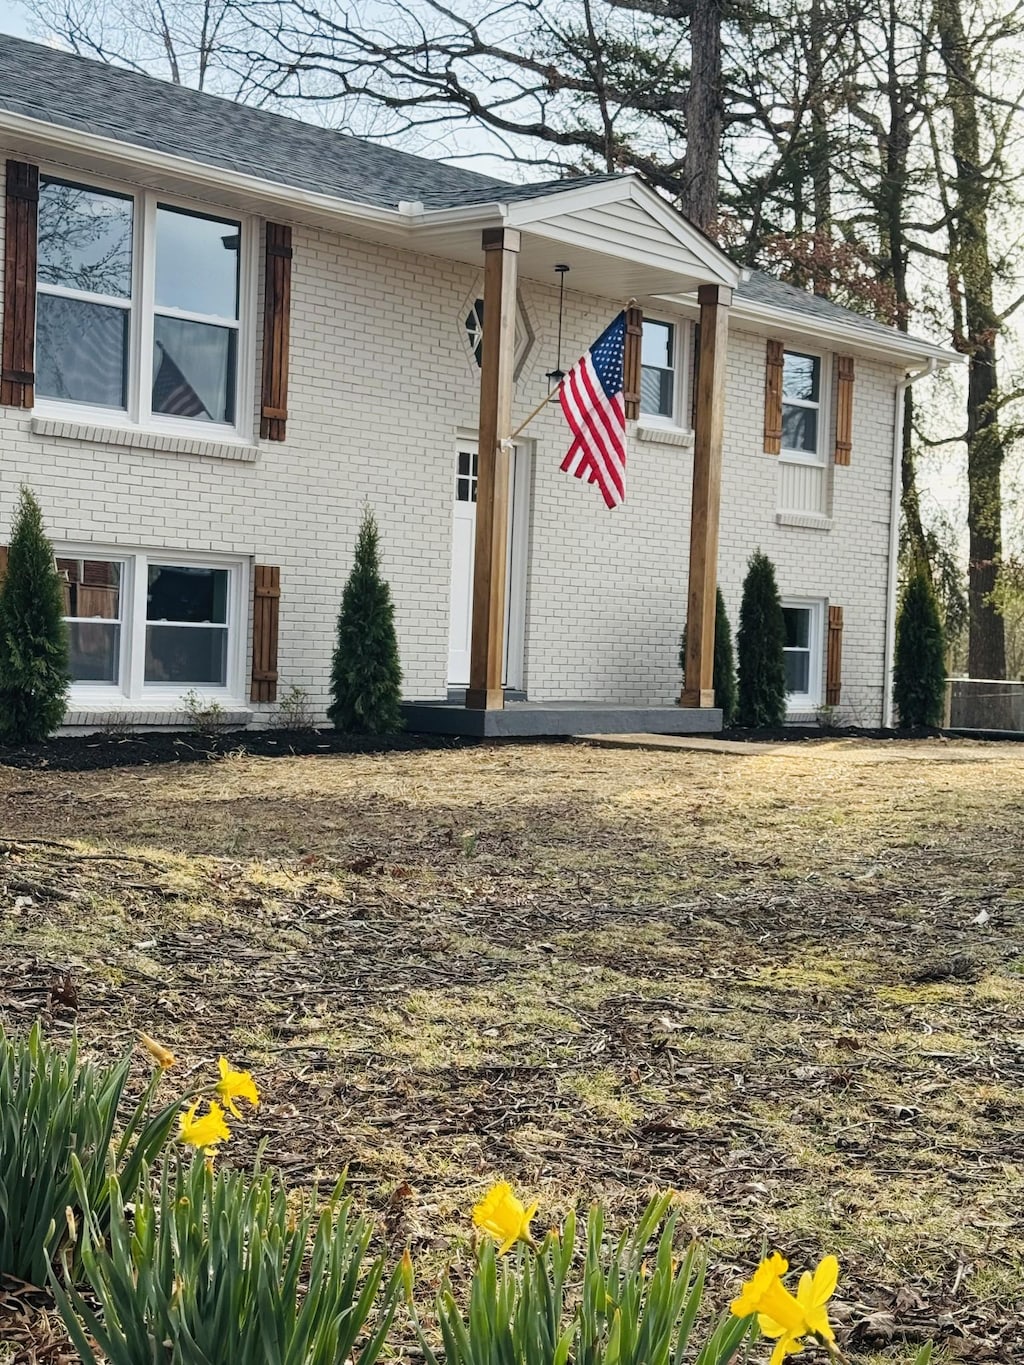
<point>527,719</point>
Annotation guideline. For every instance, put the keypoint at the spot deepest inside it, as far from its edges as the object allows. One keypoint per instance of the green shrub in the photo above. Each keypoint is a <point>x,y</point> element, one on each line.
<point>212,1270</point>
<point>724,675</point>
<point>53,1110</point>
<point>366,677</point>
<point>33,636</point>
<point>630,1306</point>
<point>919,664</point>
<point>761,640</point>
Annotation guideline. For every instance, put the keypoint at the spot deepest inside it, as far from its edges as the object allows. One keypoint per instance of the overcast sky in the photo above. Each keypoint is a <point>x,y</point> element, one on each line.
<point>12,19</point>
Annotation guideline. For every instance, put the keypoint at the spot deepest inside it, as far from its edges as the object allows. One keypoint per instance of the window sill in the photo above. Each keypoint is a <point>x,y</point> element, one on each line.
<point>138,438</point>
<point>664,435</point>
<point>810,521</point>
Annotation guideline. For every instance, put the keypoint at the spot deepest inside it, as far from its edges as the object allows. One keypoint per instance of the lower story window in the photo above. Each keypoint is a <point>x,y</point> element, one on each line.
<point>151,624</point>
<point>802,653</point>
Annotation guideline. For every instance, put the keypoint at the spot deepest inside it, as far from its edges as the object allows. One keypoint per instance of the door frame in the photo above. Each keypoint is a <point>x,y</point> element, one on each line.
<point>517,564</point>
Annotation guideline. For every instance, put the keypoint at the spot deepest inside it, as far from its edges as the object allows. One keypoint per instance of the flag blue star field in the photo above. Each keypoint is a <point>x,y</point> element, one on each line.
<point>592,398</point>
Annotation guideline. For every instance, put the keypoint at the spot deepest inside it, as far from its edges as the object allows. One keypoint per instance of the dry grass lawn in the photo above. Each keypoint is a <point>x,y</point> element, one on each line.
<point>789,985</point>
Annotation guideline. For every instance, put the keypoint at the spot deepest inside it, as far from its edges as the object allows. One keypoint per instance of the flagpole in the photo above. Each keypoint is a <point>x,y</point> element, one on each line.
<point>545,401</point>
<point>538,409</point>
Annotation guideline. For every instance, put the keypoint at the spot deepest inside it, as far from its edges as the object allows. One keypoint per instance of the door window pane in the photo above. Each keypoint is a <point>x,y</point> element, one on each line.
<point>81,351</point>
<point>197,261</point>
<point>186,655</point>
<point>85,238</point>
<point>194,369</point>
<point>188,595</point>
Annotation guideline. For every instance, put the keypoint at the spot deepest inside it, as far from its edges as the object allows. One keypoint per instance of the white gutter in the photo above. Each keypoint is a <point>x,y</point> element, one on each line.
<point>895,507</point>
<point>805,326</point>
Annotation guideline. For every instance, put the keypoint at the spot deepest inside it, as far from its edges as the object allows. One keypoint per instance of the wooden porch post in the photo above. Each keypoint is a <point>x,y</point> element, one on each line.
<point>707,493</point>
<point>501,260</point>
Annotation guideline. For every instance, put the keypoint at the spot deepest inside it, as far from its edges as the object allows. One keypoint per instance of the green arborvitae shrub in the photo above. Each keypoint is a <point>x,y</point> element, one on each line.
<point>724,663</point>
<point>366,677</point>
<point>761,640</point>
<point>919,666</point>
<point>33,636</point>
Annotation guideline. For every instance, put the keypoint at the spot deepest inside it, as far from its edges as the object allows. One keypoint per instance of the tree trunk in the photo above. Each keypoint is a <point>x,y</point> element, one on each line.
<point>820,144</point>
<point>971,278</point>
<point>703,116</point>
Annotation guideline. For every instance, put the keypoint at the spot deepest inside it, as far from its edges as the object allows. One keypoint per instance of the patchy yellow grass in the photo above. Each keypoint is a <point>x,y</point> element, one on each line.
<point>595,972</point>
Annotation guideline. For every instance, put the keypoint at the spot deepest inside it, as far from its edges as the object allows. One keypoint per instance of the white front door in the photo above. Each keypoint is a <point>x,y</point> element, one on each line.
<point>463,545</point>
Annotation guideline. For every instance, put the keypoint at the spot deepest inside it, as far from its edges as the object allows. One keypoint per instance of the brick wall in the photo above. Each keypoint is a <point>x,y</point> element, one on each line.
<point>381,381</point>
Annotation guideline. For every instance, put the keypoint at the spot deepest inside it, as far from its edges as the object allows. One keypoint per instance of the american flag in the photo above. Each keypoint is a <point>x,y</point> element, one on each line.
<point>592,398</point>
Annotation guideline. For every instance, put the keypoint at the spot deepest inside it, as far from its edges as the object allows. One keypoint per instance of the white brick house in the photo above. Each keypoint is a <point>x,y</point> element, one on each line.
<point>139,404</point>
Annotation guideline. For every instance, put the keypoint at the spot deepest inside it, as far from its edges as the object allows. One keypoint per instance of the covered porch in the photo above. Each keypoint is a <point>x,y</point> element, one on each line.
<point>619,241</point>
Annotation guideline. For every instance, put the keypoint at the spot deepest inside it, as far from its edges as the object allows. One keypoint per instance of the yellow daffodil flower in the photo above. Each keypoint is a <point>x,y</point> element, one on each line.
<point>236,1085</point>
<point>502,1215</point>
<point>204,1133</point>
<point>783,1316</point>
<point>813,1293</point>
<point>161,1055</point>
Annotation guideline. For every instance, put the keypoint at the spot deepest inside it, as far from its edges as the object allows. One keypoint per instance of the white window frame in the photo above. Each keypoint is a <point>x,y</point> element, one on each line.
<point>132,688</point>
<point>142,308</point>
<point>822,406</point>
<point>683,337</point>
<point>812,698</point>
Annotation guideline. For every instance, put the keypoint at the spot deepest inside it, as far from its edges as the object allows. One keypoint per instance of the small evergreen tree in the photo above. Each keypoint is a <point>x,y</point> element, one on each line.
<point>761,640</point>
<point>919,665</point>
<point>33,636</point>
<point>366,677</point>
<point>724,675</point>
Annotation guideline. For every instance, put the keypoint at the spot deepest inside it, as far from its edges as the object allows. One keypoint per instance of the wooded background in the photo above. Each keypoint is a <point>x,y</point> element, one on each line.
<point>868,151</point>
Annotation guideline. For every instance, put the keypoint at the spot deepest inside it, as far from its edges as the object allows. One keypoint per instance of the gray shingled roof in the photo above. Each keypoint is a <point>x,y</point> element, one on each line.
<point>77,93</point>
<point>73,92</point>
<point>762,288</point>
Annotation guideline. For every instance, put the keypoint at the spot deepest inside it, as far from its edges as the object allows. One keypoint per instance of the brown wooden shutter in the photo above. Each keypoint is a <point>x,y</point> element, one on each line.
<point>631,362</point>
<point>266,596</point>
<point>834,657</point>
<point>17,368</point>
<point>844,408</point>
<point>277,304</point>
<point>773,398</point>
<point>3,562</point>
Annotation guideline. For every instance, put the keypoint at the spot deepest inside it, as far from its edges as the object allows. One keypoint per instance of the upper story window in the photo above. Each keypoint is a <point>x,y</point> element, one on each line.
<point>474,322</point>
<point>802,426</point>
<point>139,306</point>
<point>662,353</point>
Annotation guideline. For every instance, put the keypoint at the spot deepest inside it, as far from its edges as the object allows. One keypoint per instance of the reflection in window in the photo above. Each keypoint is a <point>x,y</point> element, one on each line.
<point>801,403</point>
<point>657,368</point>
<point>85,239</point>
<point>92,609</point>
<point>797,649</point>
<point>195,360</point>
<point>186,625</point>
<point>84,292</point>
